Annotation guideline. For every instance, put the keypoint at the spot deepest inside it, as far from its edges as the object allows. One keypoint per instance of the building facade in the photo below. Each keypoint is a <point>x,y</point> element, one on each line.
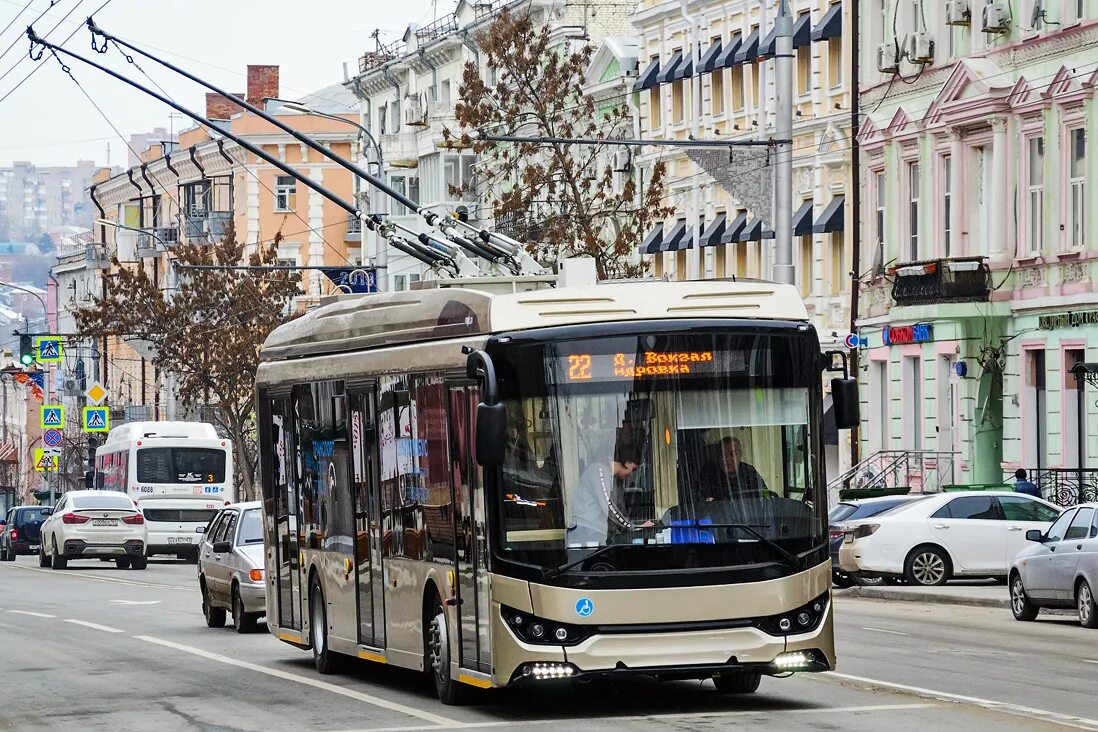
<point>980,249</point>
<point>708,73</point>
<point>34,199</point>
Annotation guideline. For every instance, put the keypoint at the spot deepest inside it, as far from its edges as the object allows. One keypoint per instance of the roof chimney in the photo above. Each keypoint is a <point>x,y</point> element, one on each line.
<point>262,82</point>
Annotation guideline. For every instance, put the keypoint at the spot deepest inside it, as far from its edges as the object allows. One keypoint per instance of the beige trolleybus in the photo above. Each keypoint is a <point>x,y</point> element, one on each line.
<point>549,484</point>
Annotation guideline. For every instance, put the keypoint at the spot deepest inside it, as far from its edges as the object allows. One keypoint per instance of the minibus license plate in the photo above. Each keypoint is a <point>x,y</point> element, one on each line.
<point>104,522</point>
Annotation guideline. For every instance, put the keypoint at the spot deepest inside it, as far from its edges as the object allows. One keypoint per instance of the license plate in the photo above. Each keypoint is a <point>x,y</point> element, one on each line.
<point>104,522</point>
<point>179,540</point>
<point>34,547</point>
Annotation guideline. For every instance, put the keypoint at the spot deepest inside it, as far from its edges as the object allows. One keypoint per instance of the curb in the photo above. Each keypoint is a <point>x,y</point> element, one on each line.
<point>941,598</point>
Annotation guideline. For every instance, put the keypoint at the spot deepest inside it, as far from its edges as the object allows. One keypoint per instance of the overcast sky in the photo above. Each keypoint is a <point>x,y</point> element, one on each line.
<point>49,121</point>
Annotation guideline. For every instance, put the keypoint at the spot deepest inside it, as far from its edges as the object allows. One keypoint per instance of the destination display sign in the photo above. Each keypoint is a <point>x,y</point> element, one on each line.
<point>599,367</point>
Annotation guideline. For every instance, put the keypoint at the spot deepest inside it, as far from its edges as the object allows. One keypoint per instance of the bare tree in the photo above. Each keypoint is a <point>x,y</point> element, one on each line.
<point>207,332</point>
<point>563,200</point>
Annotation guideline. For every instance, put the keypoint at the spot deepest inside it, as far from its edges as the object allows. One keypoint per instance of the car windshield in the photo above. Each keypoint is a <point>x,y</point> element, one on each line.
<point>82,503</point>
<point>251,527</point>
<point>678,450</point>
<point>180,465</point>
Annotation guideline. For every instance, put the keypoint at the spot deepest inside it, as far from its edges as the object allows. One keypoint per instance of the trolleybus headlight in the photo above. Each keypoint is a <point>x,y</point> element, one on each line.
<point>537,630</point>
<point>794,661</point>
<point>784,624</point>
<point>808,617</point>
<point>532,629</point>
<point>561,634</point>
<point>804,618</point>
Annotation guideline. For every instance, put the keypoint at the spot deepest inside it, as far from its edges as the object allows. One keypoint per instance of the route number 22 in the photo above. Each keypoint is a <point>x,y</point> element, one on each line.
<point>579,367</point>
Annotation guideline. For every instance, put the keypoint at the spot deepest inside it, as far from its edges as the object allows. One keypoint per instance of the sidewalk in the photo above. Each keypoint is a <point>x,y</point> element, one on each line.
<point>979,593</point>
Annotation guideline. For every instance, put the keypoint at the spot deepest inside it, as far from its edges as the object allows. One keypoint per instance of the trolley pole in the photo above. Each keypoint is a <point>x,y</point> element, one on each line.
<point>783,202</point>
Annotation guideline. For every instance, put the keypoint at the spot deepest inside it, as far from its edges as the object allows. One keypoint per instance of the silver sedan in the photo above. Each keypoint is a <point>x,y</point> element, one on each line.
<point>1060,567</point>
<point>230,567</point>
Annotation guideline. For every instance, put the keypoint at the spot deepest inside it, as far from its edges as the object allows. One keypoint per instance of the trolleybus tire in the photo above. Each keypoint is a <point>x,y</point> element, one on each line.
<point>323,657</point>
<point>436,652</point>
<point>737,682</point>
<point>215,616</point>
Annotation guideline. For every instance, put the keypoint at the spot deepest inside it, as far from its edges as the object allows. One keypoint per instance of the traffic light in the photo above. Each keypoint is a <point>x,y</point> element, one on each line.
<point>26,350</point>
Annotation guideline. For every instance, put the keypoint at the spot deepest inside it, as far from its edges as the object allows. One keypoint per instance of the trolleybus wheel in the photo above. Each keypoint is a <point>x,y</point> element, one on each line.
<point>737,682</point>
<point>323,657</point>
<point>436,644</point>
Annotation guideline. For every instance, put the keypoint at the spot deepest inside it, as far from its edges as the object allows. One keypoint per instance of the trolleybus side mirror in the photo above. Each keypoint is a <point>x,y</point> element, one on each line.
<point>844,393</point>
<point>89,479</point>
<point>491,415</point>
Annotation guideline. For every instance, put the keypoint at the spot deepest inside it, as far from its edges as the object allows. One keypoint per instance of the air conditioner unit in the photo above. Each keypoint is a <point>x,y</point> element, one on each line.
<point>958,12</point>
<point>919,48</point>
<point>888,61</point>
<point>71,387</point>
<point>413,112</point>
<point>996,17</point>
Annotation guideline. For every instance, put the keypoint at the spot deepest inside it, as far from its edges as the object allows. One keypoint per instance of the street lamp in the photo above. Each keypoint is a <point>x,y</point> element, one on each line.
<point>381,255</point>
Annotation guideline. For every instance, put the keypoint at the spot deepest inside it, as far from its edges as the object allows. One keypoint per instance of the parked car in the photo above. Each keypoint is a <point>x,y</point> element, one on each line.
<point>845,511</point>
<point>230,567</point>
<point>92,524</point>
<point>21,530</point>
<point>1059,568</point>
<point>964,534</point>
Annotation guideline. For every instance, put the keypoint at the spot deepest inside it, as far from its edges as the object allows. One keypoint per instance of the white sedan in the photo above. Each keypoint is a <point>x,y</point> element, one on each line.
<point>930,540</point>
<point>94,524</point>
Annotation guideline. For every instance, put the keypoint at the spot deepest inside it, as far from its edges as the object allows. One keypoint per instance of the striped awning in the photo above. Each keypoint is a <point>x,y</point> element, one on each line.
<point>8,452</point>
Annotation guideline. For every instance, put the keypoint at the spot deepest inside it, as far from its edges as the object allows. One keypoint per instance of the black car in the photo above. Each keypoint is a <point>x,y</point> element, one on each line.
<point>21,531</point>
<point>849,511</point>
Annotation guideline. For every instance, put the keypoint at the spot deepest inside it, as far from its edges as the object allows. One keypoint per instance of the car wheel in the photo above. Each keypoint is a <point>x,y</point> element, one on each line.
<point>1088,610</point>
<point>139,563</point>
<point>864,581</point>
<point>436,647</point>
<point>841,581</point>
<point>927,566</point>
<point>215,616</point>
<point>5,555</point>
<point>122,562</point>
<point>43,560</point>
<point>58,560</point>
<point>1020,605</point>
<point>737,682</point>
<point>323,657</point>
<point>243,622</point>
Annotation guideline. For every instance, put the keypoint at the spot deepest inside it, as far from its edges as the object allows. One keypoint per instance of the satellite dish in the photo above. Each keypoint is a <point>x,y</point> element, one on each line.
<point>1037,16</point>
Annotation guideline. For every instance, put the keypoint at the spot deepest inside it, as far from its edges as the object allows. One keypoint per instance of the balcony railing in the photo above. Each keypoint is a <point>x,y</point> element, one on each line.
<point>206,228</point>
<point>354,229</point>
<point>941,280</point>
<point>152,241</point>
<point>1064,486</point>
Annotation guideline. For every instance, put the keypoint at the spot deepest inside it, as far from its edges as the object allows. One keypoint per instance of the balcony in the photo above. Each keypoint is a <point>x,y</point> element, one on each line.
<point>941,280</point>
<point>354,229</point>
<point>152,241</point>
<point>206,227</point>
<point>400,149</point>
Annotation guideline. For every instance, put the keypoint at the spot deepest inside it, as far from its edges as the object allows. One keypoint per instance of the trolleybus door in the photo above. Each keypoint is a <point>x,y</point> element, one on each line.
<point>368,555</point>
<point>469,531</point>
<point>284,494</point>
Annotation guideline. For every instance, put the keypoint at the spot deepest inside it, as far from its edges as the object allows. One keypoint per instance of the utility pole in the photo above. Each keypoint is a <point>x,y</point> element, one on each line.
<point>783,205</point>
<point>855,209</point>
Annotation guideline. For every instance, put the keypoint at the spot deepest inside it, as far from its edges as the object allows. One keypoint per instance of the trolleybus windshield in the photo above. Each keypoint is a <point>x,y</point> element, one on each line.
<point>677,450</point>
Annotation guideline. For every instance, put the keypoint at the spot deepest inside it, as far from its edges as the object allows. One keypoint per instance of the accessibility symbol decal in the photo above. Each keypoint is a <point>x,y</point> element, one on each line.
<point>52,415</point>
<point>49,349</point>
<point>97,419</point>
<point>584,607</point>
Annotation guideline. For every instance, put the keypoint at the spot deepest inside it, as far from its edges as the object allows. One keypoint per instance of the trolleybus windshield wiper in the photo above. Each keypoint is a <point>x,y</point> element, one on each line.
<point>556,571</point>
<point>787,558</point>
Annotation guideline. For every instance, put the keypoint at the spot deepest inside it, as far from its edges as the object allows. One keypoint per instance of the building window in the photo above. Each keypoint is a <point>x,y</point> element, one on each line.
<point>1035,175</point>
<point>741,259</point>
<point>459,177</point>
<point>1075,411</point>
<point>654,120</point>
<point>1036,418</point>
<point>402,282</point>
<point>285,193</point>
<point>879,418</point>
<point>912,377</point>
<point>737,88</point>
<point>913,212</point>
<point>407,185</point>
<point>804,69</point>
<point>1077,170</point>
<point>947,205</point>
<point>753,94</point>
<point>804,271</point>
<point>678,102</point>
<point>879,219</point>
<point>835,61</point>
<point>716,91</point>
<point>838,263</point>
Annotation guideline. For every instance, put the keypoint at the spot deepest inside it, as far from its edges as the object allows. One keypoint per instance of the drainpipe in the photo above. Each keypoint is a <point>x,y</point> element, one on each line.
<point>382,264</point>
<point>369,242</point>
<point>694,266</point>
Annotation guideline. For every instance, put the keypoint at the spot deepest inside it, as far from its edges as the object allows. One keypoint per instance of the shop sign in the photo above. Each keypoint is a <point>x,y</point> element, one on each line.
<point>898,335</point>
<point>1067,320</point>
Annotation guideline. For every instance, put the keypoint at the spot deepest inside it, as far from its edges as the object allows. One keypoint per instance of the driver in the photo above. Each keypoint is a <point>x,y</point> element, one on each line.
<point>731,477</point>
<point>595,511</point>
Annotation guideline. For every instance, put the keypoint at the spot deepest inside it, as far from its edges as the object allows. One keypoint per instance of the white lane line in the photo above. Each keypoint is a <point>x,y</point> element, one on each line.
<point>1064,719</point>
<point>890,632</point>
<point>99,578</point>
<point>1087,660</point>
<point>93,626</point>
<point>32,614</point>
<point>136,602</point>
<point>435,719</point>
<point>657,717</point>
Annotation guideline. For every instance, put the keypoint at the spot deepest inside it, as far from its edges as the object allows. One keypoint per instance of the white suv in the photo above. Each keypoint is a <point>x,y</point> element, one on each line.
<point>94,524</point>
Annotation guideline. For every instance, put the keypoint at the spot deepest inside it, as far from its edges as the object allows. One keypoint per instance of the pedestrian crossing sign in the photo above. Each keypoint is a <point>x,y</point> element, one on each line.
<point>48,349</point>
<point>97,419</point>
<point>52,416</point>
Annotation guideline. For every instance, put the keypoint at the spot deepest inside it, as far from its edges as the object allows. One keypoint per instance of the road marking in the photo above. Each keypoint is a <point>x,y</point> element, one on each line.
<point>435,719</point>
<point>1087,660</point>
<point>654,717</point>
<point>32,614</point>
<point>99,578</point>
<point>136,602</point>
<point>1064,719</point>
<point>93,626</point>
<point>890,632</point>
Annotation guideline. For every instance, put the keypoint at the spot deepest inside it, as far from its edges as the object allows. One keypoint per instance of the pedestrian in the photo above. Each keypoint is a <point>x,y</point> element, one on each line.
<point>1022,484</point>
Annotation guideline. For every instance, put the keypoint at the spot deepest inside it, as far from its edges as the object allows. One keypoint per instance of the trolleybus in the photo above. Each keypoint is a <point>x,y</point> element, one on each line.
<point>179,473</point>
<point>540,485</point>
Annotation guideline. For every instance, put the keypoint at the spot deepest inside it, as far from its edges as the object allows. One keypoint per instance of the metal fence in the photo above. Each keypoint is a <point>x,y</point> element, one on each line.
<point>1065,486</point>
<point>921,471</point>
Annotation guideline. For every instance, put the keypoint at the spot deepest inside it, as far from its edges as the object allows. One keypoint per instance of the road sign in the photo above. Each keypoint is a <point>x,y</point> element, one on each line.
<point>97,419</point>
<point>47,349</point>
<point>852,340</point>
<point>96,393</point>
<point>52,415</point>
<point>51,438</point>
<point>45,459</point>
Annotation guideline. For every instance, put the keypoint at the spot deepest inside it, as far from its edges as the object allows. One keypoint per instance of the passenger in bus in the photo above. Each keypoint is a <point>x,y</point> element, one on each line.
<point>595,511</point>
<point>729,477</point>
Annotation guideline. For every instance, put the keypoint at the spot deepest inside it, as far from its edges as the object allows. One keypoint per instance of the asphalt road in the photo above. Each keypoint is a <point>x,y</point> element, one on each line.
<point>95,648</point>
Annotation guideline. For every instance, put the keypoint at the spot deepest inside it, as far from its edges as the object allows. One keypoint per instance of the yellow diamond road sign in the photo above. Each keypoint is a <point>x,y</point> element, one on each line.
<point>96,393</point>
